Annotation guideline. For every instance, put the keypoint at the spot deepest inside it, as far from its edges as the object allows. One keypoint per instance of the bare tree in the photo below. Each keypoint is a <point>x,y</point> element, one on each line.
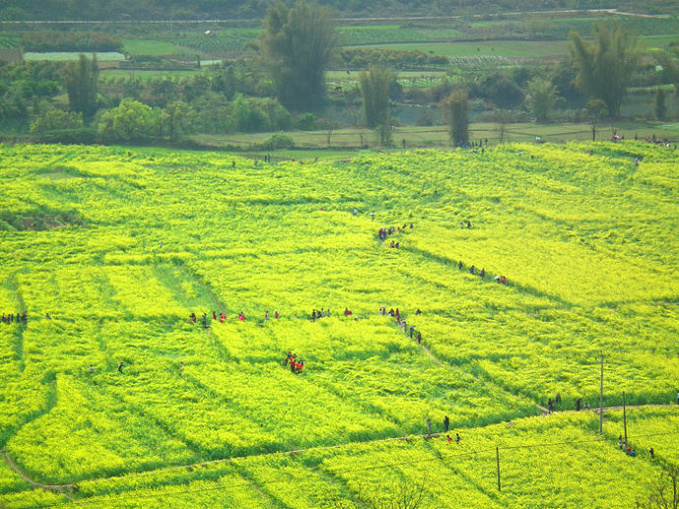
<point>664,492</point>
<point>407,495</point>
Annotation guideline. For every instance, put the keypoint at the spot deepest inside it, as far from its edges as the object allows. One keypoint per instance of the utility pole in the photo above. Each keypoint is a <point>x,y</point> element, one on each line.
<point>624,415</point>
<point>601,398</point>
<point>497,457</point>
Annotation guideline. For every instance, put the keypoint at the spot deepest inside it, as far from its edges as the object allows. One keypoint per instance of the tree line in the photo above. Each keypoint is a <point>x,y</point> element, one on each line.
<point>282,86</point>
<point>228,9</point>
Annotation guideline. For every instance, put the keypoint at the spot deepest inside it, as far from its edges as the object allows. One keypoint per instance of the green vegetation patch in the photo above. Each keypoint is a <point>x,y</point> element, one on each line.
<point>111,386</point>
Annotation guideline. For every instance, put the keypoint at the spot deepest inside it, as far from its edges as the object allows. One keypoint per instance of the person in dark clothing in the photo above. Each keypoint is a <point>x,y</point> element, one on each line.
<point>120,366</point>
<point>577,404</point>
<point>550,405</point>
<point>446,423</point>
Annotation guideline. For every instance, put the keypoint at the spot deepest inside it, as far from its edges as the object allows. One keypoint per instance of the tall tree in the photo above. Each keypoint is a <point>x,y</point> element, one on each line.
<point>375,86</point>
<point>456,110</point>
<point>297,44</point>
<point>82,84</point>
<point>605,65</point>
<point>670,71</point>
<point>541,98</point>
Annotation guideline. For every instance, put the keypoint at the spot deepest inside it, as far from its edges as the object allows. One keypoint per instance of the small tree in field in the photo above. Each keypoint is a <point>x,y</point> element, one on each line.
<point>375,85</point>
<point>456,110</point>
<point>659,104</point>
<point>664,492</point>
<point>541,98</point>
<point>670,71</point>
<point>597,109</point>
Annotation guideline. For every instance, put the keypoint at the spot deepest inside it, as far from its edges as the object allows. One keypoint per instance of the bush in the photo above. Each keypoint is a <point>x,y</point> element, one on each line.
<point>276,141</point>
<point>306,122</point>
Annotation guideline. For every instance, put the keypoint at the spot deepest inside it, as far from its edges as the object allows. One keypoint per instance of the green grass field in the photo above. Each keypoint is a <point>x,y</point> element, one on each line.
<point>344,142</point>
<point>66,56</point>
<point>119,245</point>
<point>488,49</point>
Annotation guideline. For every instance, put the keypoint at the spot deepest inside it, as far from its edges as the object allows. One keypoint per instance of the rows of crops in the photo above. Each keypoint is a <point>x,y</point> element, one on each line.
<point>119,246</point>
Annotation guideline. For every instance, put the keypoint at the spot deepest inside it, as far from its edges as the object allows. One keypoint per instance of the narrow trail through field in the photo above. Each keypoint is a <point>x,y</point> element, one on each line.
<point>68,489</point>
<point>58,488</point>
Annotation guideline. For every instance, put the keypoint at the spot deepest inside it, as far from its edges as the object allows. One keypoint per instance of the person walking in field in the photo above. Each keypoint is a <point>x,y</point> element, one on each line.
<point>446,423</point>
<point>428,426</point>
<point>120,367</point>
<point>550,405</point>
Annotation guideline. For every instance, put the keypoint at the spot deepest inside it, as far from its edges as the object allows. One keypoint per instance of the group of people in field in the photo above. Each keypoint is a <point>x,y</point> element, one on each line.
<point>222,317</point>
<point>315,315</point>
<point>384,232</point>
<point>296,365</point>
<point>19,317</point>
<point>482,273</point>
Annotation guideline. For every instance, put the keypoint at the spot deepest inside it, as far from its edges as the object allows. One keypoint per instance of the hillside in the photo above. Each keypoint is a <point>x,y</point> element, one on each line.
<point>109,251</point>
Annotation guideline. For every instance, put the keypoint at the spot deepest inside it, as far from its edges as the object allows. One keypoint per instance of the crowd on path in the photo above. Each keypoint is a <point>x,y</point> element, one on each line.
<point>482,273</point>
<point>18,318</point>
<point>385,232</point>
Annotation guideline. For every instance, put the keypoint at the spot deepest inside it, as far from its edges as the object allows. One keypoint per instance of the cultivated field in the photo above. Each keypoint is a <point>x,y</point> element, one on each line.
<point>120,245</point>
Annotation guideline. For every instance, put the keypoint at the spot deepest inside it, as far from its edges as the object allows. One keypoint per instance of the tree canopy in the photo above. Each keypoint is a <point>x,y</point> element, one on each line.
<point>297,45</point>
<point>81,79</point>
<point>375,85</point>
<point>605,66</point>
<point>456,110</point>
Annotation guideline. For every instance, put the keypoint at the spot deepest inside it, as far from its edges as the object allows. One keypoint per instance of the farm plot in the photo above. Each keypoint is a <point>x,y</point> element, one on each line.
<point>109,251</point>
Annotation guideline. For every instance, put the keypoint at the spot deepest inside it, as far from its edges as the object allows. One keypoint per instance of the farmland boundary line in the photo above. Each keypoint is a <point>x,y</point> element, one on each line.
<point>56,488</point>
<point>247,481</point>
